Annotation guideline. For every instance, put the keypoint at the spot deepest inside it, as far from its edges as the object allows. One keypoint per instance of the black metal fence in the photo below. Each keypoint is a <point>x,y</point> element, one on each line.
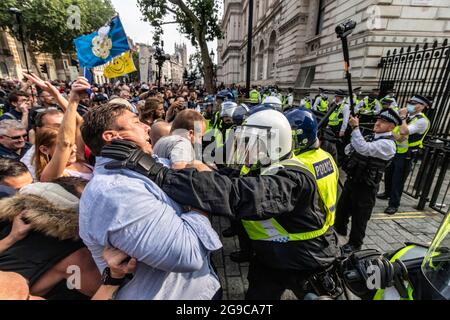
<point>425,71</point>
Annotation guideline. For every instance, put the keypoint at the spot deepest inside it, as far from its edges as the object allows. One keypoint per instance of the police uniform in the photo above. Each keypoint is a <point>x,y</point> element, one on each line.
<point>255,97</point>
<point>368,158</point>
<point>282,212</point>
<point>399,169</point>
<point>368,106</point>
<point>338,122</point>
<point>320,104</point>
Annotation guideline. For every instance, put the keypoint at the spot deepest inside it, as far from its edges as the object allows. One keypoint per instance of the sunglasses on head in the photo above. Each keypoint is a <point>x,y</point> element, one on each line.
<point>16,137</point>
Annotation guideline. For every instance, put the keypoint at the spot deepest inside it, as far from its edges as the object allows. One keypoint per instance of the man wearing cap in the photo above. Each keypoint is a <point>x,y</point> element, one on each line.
<point>409,137</point>
<point>368,158</point>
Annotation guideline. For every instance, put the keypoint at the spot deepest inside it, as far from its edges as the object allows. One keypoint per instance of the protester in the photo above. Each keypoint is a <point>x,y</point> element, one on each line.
<point>152,111</point>
<point>172,248</point>
<point>47,244</point>
<point>20,107</point>
<point>14,174</point>
<point>158,130</point>
<point>13,135</point>
<point>187,131</point>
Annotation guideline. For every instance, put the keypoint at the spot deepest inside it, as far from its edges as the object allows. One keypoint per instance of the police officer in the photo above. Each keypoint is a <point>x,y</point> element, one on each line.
<point>368,159</point>
<point>254,96</point>
<point>338,123</point>
<point>207,112</point>
<point>388,102</point>
<point>289,99</point>
<point>409,136</point>
<point>273,102</point>
<point>320,163</point>
<point>369,106</point>
<point>281,210</point>
<point>221,96</point>
<point>321,103</point>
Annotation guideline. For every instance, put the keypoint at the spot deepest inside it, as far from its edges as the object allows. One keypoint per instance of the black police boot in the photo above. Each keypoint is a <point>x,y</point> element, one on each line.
<point>383,196</point>
<point>348,248</point>
<point>240,256</point>
<point>229,232</point>
<point>391,210</point>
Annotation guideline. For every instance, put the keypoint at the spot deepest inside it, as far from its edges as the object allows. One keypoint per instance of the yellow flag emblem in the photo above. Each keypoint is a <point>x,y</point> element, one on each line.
<point>120,66</point>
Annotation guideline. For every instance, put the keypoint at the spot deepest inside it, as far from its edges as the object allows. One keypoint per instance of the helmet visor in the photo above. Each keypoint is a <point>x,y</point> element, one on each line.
<point>252,145</point>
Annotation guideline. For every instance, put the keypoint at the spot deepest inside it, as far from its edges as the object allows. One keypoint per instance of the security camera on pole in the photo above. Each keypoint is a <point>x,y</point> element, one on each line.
<point>160,57</point>
<point>343,31</point>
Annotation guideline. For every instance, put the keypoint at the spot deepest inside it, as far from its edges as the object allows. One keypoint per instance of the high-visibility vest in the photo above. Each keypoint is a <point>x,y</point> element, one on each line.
<point>369,106</point>
<point>416,140</point>
<point>335,118</point>
<point>323,105</point>
<point>308,104</point>
<point>402,146</point>
<point>413,141</point>
<point>284,102</point>
<point>254,96</point>
<point>321,164</point>
<point>270,229</point>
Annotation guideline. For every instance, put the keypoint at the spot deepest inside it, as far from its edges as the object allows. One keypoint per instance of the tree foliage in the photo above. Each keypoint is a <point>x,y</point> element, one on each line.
<point>197,19</point>
<point>46,27</point>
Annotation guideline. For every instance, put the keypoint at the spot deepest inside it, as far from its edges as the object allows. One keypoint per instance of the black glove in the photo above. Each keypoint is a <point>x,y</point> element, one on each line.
<point>131,156</point>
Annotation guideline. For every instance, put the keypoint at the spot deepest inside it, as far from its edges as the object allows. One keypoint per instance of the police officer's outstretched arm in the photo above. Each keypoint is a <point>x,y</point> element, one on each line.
<point>246,197</point>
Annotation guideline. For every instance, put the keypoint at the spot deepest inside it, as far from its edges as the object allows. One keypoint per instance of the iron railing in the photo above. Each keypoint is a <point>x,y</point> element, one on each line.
<point>424,71</point>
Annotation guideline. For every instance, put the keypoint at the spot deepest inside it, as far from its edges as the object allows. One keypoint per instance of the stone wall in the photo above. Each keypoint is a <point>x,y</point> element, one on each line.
<point>287,50</point>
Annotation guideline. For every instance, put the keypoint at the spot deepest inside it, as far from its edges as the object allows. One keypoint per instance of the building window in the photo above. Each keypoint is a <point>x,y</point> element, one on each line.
<point>320,17</point>
<point>271,55</point>
<point>305,77</point>
<point>4,73</point>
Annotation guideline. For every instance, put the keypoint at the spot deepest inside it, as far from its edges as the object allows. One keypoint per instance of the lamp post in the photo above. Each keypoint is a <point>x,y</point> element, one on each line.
<point>249,45</point>
<point>160,57</point>
<point>214,69</point>
<point>18,14</point>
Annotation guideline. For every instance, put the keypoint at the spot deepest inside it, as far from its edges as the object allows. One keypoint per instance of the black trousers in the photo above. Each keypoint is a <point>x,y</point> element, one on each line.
<point>395,177</point>
<point>266,283</point>
<point>357,201</point>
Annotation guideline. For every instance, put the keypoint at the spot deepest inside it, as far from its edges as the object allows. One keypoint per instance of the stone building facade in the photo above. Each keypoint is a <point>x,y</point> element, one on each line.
<point>295,45</point>
<point>12,61</point>
<point>171,71</point>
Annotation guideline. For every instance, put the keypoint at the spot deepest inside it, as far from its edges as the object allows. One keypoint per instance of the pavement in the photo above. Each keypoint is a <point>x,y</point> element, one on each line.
<point>384,233</point>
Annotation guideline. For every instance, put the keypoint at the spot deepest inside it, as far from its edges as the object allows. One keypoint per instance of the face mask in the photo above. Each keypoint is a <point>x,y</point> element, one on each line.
<point>411,108</point>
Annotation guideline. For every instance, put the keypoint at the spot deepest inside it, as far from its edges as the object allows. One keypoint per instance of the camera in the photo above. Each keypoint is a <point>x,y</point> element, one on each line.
<point>346,28</point>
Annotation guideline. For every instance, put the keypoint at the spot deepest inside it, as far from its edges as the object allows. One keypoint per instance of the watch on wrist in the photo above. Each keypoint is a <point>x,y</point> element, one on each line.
<point>108,280</point>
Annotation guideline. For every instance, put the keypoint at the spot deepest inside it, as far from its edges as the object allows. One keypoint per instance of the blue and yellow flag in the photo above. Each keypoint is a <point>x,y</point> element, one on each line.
<point>120,66</point>
<point>99,47</point>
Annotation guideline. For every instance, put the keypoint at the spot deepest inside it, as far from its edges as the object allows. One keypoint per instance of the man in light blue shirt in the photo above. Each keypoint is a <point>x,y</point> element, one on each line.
<point>125,210</point>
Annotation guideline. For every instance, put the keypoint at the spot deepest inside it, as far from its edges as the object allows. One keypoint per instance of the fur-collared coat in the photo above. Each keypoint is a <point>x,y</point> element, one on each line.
<point>43,216</point>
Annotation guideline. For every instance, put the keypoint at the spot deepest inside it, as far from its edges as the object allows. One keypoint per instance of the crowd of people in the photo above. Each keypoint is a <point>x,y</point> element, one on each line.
<point>121,181</point>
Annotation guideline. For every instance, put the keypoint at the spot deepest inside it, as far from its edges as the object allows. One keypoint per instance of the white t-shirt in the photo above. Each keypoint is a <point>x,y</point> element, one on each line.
<point>175,148</point>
